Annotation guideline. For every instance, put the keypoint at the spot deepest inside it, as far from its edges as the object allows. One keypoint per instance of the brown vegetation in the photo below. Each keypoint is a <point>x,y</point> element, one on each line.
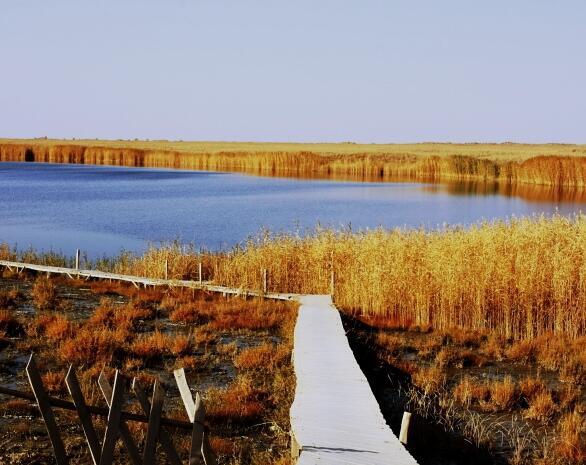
<point>129,330</point>
<point>554,165</point>
<point>44,294</point>
<point>516,279</point>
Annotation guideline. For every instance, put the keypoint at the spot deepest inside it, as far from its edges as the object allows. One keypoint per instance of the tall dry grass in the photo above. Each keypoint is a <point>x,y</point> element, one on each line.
<point>518,278</point>
<point>550,164</point>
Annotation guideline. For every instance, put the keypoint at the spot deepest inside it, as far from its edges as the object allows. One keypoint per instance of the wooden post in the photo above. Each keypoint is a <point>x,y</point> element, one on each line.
<point>200,274</point>
<point>84,415</point>
<point>114,417</point>
<point>166,269</point>
<point>45,407</point>
<point>332,283</point>
<point>153,429</point>
<point>201,452</point>
<point>77,256</point>
<point>264,281</point>
<point>405,427</point>
<point>107,392</point>
<point>166,442</point>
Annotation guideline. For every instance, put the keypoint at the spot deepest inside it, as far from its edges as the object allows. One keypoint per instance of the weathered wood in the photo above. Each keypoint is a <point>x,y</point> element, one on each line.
<point>195,454</point>
<point>114,419</point>
<point>166,269</point>
<point>150,447</point>
<point>265,284</point>
<point>45,407</point>
<point>206,449</point>
<point>84,415</point>
<point>95,410</point>
<point>335,417</point>
<point>332,283</point>
<point>136,280</point>
<point>185,392</point>
<point>196,413</point>
<point>166,442</point>
<point>404,434</point>
<point>199,273</point>
<point>123,428</point>
<point>77,257</point>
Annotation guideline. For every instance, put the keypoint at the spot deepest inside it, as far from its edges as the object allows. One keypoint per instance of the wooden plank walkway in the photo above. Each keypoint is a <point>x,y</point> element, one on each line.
<point>142,281</point>
<point>335,418</point>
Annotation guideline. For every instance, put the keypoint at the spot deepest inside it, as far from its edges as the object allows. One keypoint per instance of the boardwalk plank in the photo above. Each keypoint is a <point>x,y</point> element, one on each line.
<point>335,418</point>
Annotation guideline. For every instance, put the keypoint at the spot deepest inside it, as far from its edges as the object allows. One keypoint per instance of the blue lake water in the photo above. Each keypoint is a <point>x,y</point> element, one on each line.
<point>103,210</point>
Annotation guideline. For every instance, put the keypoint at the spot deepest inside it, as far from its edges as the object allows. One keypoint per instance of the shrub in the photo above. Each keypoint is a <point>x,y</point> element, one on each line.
<point>44,294</point>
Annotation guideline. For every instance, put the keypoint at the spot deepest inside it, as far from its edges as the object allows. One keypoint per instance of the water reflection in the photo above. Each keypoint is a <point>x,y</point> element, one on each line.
<point>527,192</point>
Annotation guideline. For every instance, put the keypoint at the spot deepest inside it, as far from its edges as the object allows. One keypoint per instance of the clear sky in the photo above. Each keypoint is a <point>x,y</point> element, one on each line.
<point>302,70</point>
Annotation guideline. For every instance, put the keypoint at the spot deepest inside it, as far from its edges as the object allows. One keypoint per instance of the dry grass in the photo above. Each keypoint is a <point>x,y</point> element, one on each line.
<point>509,163</point>
<point>9,298</point>
<point>515,279</point>
<point>242,401</point>
<point>541,407</point>
<point>9,325</point>
<point>571,443</point>
<point>44,294</point>
<point>264,357</point>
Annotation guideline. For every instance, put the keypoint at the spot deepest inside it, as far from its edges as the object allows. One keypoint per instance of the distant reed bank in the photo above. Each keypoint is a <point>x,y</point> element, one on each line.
<point>547,165</point>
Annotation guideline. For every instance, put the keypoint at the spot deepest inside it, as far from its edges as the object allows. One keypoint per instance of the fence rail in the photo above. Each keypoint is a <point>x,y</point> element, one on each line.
<point>102,451</point>
<point>138,281</point>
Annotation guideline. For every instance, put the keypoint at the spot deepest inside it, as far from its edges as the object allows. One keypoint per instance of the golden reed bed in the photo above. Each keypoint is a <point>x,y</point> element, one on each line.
<point>510,164</point>
<point>520,279</point>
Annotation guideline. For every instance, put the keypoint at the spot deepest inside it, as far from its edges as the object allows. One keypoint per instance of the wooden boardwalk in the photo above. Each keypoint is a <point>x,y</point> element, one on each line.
<point>335,418</point>
<point>142,281</point>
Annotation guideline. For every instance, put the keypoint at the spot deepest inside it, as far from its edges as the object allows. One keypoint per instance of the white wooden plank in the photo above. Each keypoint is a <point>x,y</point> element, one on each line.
<point>335,417</point>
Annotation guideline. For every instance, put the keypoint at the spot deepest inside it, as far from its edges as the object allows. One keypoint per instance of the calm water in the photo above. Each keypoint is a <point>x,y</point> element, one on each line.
<point>103,209</point>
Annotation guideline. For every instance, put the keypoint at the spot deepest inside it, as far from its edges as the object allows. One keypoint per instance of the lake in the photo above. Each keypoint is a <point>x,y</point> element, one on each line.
<point>103,210</point>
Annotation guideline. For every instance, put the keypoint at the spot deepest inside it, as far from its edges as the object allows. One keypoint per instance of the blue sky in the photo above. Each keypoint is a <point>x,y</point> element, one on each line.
<point>364,71</point>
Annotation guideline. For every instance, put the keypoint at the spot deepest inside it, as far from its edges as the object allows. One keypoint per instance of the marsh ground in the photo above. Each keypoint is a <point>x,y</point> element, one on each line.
<point>236,353</point>
<point>478,398</point>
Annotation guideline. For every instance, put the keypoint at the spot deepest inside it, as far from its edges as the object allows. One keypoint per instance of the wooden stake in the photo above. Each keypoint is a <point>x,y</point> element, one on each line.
<point>84,415</point>
<point>264,281</point>
<point>166,269</point>
<point>332,283</point>
<point>200,274</point>
<point>45,407</point>
<point>77,256</point>
<point>405,427</point>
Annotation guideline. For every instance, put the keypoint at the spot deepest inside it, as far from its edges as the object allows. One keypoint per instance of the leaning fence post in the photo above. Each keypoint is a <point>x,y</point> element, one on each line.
<point>124,431</point>
<point>153,429</point>
<point>403,435</point>
<point>77,256</point>
<point>84,415</point>
<point>166,442</point>
<point>45,407</point>
<point>114,420</point>
<point>201,452</point>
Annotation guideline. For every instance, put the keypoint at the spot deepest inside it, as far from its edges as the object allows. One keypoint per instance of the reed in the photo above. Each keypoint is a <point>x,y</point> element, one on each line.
<point>518,278</point>
<point>511,164</point>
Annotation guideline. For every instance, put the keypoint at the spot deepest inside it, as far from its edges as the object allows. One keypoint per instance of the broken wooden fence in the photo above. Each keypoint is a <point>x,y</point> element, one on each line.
<point>102,452</point>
